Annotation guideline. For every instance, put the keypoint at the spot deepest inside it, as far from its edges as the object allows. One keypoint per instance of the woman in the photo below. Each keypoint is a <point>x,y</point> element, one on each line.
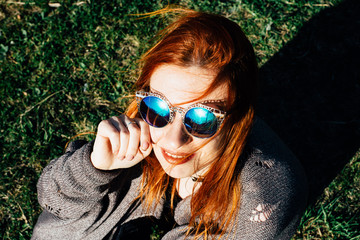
<point>189,152</point>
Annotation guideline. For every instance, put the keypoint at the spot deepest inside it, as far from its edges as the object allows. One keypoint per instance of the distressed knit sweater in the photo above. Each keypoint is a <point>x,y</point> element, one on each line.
<point>82,202</point>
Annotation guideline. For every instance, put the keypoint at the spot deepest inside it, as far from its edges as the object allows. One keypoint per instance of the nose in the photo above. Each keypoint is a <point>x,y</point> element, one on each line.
<point>176,135</point>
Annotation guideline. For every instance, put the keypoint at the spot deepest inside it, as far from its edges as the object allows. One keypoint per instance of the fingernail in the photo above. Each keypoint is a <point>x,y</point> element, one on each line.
<point>129,158</point>
<point>121,157</point>
<point>145,146</point>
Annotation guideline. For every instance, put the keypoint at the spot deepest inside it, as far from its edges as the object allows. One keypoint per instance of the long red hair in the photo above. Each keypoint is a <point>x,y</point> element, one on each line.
<point>218,44</point>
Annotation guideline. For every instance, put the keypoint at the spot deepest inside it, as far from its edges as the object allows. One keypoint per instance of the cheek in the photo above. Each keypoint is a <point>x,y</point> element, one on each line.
<point>210,150</point>
<point>155,134</point>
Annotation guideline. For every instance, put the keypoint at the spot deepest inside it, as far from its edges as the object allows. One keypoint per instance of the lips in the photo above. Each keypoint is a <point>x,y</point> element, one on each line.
<point>176,158</point>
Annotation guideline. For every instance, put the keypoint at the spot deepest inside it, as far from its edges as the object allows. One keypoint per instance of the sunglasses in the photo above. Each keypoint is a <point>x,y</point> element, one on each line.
<point>199,120</point>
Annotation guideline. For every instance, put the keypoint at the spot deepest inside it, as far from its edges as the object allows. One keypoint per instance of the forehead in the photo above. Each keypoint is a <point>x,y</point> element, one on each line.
<point>180,84</point>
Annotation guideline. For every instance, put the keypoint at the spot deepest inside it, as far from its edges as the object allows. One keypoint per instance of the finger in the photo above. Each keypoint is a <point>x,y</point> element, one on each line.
<point>109,129</point>
<point>145,139</point>
<point>134,139</point>
<point>124,138</point>
<point>106,142</point>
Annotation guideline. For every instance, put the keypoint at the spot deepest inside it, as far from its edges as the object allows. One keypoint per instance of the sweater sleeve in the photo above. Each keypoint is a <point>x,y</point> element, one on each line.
<point>70,186</point>
<point>75,196</point>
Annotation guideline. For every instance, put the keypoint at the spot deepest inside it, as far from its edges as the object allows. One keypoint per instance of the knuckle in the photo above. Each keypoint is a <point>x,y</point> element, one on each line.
<point>133,126</point>
<point>104,125</point>
<point>113,133</point>
<point>134,129</point>
<point>125,132</point>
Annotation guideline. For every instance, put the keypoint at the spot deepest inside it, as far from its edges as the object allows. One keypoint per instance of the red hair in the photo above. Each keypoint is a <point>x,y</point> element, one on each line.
<point>217,44</point>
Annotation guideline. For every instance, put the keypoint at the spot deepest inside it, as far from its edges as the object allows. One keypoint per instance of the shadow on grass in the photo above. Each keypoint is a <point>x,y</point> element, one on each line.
<point>310,93</point>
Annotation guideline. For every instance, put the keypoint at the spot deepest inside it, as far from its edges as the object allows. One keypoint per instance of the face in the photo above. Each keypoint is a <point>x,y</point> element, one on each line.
<point>179,153</point>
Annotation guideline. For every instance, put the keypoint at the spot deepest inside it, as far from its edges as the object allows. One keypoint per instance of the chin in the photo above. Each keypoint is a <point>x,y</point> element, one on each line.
<point>176,171</point>
<point>175,167</point>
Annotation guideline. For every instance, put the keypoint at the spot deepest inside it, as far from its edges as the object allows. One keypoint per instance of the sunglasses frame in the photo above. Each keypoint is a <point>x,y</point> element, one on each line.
<point>220,115</point>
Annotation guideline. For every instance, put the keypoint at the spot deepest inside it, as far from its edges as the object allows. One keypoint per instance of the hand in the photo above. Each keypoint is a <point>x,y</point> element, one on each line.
<point>121,142</point>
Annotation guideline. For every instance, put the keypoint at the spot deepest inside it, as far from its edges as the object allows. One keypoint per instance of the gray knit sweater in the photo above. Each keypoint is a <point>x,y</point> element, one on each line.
<point>81,202</point>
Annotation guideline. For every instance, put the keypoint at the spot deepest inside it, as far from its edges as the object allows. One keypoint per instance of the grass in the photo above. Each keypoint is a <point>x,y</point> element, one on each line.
<point>336,214</point>
<point>67,65</point>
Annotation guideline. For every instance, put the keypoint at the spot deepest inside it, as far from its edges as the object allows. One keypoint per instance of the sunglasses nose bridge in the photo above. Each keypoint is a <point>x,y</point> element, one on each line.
<point>179,110</point>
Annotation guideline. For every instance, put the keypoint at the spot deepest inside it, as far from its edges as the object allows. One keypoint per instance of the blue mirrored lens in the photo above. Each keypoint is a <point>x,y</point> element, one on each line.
<point>200,122</point>
<point>154,111</point>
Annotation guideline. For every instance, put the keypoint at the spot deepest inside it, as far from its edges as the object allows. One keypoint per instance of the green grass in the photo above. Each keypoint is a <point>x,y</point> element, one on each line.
<point>336,214</point>
<point>65,68</point>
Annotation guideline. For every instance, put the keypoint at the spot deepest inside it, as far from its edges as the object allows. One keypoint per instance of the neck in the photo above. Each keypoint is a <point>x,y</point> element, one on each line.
<point>186,187</point>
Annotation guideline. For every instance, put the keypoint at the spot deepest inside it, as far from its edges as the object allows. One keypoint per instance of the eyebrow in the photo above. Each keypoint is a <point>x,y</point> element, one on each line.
<point>220,103</point>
